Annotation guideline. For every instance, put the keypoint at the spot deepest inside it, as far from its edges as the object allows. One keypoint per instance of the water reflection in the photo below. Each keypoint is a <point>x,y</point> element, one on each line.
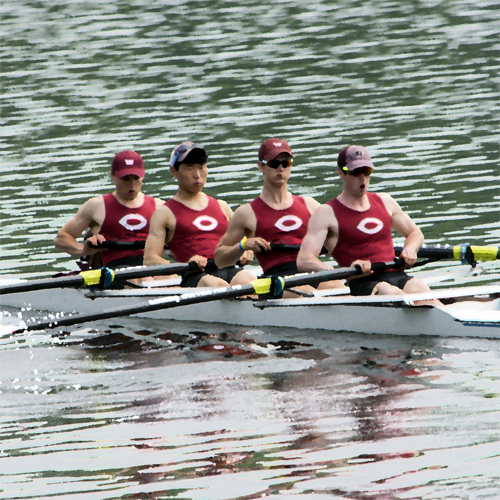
<point>323,412</point>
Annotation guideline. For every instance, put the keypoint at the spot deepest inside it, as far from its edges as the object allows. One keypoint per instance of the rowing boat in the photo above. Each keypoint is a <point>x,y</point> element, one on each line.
<point>472,308</point>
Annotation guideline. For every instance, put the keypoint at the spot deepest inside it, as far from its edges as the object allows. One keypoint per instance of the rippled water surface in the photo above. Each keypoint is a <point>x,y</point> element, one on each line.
<point>142,409</point>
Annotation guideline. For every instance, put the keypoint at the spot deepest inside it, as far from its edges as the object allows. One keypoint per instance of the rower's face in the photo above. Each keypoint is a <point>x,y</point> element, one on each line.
<point>127,187</point>
<point>276,175</point>
<point>356,185</point>
<point>191,176</point>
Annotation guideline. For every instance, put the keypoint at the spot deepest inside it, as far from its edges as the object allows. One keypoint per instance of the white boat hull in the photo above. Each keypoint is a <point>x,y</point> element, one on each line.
<point>477,315</point>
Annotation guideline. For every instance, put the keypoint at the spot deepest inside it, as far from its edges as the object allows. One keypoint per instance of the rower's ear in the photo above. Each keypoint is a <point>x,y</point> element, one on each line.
<point>261,166</point>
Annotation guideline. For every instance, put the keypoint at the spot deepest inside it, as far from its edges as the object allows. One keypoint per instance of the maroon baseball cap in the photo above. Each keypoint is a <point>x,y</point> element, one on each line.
<point>128,163</point>
<point>354,157</point>
<point>272,147</point>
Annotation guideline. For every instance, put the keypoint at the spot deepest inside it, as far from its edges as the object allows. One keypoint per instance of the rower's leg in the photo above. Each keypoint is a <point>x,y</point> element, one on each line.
<point>211,281</point>
<point>331,284</point>
<point>384,288</point>
<point>242,278</point>
<point>416,285</point>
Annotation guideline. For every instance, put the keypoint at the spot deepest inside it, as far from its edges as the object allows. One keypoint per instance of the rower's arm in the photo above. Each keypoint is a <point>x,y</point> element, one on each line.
<point>241,225</point>
<point>161,225</point>
<point>66,238</point>
<point>402,223</point>
<point>320,231</point>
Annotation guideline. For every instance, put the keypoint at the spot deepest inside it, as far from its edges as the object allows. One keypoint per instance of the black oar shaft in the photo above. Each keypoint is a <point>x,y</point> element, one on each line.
<point>79,279</point>
<point>464,252</point>
<point>260,286</point>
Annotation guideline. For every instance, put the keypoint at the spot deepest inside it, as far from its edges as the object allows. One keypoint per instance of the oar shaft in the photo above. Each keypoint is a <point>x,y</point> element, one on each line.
<point>81,278</point>
<point>464,253</point>
<point>260,286</point>
<point>119,245</point>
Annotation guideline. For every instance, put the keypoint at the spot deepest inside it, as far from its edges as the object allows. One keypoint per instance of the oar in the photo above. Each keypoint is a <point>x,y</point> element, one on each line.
<point>467,254</point>
<point>285,247</point>
<point>138,245</point>
<point>119,245</point>
<point>273,286</point>
<point>96,276</point>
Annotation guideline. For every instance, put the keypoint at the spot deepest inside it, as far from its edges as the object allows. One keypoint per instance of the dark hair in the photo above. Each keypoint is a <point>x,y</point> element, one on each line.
<point>342,160</point>
<point>195,156</point>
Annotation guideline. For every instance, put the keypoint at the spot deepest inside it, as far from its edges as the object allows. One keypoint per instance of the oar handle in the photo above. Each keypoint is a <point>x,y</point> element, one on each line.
<point>116,245</point>
<point>384,266</point>
<point>284,247</point>
<point>121,245</point>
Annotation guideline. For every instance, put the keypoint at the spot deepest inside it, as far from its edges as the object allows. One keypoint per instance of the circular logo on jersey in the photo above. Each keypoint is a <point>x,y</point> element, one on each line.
<point>133,222</point>
<point>370,225</point>
<point>205,223</point>
<point>289,223</point>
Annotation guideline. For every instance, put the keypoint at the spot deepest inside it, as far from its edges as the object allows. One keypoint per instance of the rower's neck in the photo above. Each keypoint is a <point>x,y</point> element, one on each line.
<point>359,203</point>
<point>277,197</point>
<point>135,203</point>
<point>196,201</point>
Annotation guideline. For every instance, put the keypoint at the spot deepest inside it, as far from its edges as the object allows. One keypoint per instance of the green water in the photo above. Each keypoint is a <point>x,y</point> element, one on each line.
<point>413,81</point>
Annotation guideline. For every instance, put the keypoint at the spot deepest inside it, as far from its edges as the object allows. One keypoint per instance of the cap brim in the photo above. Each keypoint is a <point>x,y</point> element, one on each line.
<point>130,171</point>
<point>360,163</point>
<point>276,153</point>
<point>185,154</point>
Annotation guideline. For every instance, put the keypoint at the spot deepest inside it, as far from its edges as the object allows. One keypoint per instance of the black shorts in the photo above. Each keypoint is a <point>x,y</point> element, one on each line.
<point>282,270</point>
<point>287,269</point>
<point>121,263</point>
<point>190,279</point>
<point>365,285</point>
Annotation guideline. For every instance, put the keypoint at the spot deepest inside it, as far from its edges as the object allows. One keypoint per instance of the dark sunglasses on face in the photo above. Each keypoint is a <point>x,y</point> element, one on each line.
<point>276,163</point>
<point>366,171</point>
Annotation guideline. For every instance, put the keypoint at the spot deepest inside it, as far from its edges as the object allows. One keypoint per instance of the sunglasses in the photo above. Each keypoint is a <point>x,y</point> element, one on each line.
<point>277,163</point>
<point>366,171</point>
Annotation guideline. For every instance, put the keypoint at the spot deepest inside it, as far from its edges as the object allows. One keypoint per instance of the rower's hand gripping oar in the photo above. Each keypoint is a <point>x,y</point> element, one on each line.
<point>260,287</point>
<point>98,277</point>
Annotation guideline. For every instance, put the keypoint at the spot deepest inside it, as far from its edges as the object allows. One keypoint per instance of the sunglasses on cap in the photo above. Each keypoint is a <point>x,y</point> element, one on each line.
<point>366,171</point>
<point>276,163</point>
<point>178,154</point>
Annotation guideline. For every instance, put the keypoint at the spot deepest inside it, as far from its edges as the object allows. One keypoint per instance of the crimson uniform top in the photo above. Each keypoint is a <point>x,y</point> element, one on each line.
<point>363,235</point>
<point>125,224</point>
<point>287,225</point>
<point>197,232</point>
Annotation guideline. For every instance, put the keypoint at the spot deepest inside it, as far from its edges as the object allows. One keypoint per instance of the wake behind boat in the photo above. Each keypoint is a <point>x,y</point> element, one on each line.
<point>472,306</point>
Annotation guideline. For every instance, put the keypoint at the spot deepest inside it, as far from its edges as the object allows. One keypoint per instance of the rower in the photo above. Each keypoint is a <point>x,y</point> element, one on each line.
<point>275,216</point>
<point>121,215</point>
<point>356,229</point>
<point>191,223</point>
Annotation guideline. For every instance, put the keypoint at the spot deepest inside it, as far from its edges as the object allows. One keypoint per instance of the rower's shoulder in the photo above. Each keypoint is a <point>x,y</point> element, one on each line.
<point>324,214</point>
<point>163,209</point>
<point>389,202</point>
<point>244,216</point>
<point>158,202</point>
<point>245,211</point>
<point>311,203</point>
<point>225,208</point>
<point>92,205</point>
